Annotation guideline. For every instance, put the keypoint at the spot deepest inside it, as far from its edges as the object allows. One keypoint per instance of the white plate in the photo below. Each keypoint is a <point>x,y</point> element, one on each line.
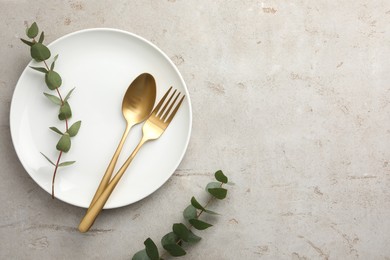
<point>100,63</point>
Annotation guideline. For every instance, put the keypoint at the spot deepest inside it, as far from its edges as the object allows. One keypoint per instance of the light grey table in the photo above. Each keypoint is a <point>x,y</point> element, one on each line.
<point>290,98</point>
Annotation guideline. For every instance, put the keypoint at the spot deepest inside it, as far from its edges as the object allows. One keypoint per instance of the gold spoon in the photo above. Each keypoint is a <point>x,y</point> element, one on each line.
<point>137,105</point>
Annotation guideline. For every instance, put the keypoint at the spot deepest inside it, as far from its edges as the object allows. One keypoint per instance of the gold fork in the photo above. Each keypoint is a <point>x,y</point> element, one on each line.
<point>153,128</point>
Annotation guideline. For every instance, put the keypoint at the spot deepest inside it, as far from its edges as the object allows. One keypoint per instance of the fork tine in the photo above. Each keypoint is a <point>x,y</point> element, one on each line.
<point>175,110</point>
<point>166,104</point>
<point>161,102</point>
<point>170,107</point>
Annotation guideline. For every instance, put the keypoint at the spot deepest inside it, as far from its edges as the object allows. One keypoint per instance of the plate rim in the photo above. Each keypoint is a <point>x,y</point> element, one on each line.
<point>102,29</point>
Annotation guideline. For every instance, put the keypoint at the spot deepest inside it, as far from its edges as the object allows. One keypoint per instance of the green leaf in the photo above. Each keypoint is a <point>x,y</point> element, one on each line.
<point>68,95</point>
<point>53,63</point>
<point>32,31</point>
<point>47,158</point>
<point>141,255</point>
<point>192,238</point>
<point>39,52</point>
<point>151,249</point>
<point>66,163</point>
<point>53,79</point>
<point>169,243</point>
<point>53,98</point>
<point>190,212</point>
<point>212,185</point>
<point>64,143</point>
<point>170,238</point>
<point>199,224</point>
<point>74,129</point>
<point>219,193</point>
<point>65,111</point>
<point>41,37</point>
<point>221,177</point>
<point>40,69</point>
<point>181,231</point>
<point>174,250</point>
<point>55,129</point>
<point>196,204</point>
<point>27,42</point>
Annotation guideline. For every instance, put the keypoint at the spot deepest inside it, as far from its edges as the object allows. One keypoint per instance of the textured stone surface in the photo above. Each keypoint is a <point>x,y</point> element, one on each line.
<point>290,98</point>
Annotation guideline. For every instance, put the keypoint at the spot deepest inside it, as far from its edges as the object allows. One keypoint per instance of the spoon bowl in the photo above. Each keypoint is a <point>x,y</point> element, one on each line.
<point>139,99</point>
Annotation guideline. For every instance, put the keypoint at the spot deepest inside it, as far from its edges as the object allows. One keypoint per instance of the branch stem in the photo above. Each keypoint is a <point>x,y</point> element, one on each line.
<point>54,175</point>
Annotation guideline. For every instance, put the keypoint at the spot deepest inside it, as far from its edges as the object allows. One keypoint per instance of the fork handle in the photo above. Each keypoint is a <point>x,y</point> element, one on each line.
<point>95,209</point>
<point>110,168</point>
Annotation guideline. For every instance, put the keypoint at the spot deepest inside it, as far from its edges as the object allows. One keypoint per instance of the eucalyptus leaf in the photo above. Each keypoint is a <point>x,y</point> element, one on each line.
<point>27,42</point>
<point>151,249</point>
<point>64,143</point>
<point>47,158</point>
<point>68,95</point>
<point>141,255</point>
<point>32,31</point>
<point>219,193</point>
<point>65,111</point>
<point>199,224</point>
<point>53,99</point>
<point>53,80</point>
<point>190,212</point>
<point>196,204</point>
<point>169,243</point>
<point>55,129</point>
<point>219,176</point>
<point>53,63</point>
<point>212,185</point>
<point>192,238</point>
<point>174,250</point>
<point>39,52</point>
<point>74,129</point>
<point>41,37</point>
<point>66,163</point>
<point>170,238</point>
<point>181,231</point>
<point>40,69</point>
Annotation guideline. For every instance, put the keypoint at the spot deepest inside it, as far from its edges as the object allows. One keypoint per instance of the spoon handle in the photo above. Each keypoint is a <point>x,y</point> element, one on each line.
<point>95,209</point>
<point>107,175</point>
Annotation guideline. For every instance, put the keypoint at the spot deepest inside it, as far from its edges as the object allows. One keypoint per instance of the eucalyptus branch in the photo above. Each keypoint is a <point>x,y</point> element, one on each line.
<point>180,241</point>
<point>181,234</point>
<point>66,128</point>
<point>40,53</point>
